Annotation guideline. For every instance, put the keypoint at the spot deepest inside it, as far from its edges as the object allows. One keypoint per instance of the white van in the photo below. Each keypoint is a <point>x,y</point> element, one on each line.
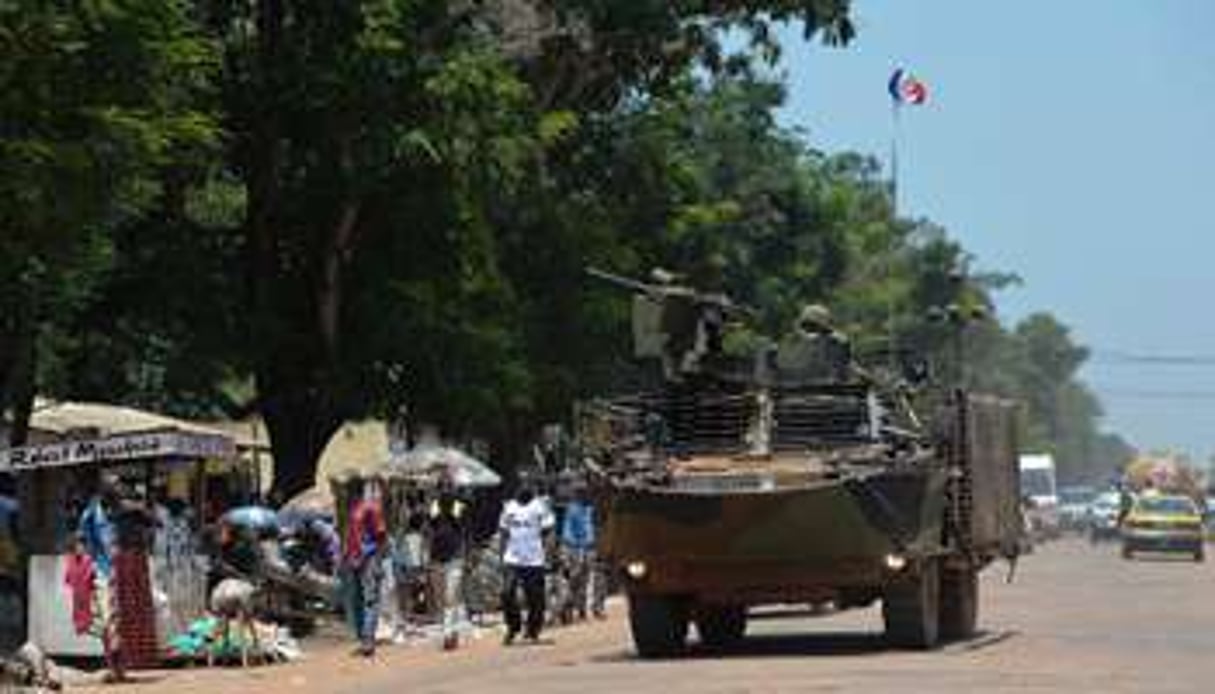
<point>1040,489</point>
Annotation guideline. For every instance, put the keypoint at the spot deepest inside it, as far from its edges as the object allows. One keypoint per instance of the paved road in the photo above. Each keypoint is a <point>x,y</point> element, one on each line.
<point>1076,619</point>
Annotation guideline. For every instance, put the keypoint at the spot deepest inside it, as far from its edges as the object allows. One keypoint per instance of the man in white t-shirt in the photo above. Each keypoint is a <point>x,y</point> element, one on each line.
<point>525,523</point>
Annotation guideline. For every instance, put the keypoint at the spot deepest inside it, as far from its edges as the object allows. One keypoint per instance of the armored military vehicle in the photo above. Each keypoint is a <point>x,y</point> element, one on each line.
<point>793,475</point>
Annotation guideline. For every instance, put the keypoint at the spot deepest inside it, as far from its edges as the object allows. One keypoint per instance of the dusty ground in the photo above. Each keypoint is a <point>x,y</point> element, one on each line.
<point>1077,619</point>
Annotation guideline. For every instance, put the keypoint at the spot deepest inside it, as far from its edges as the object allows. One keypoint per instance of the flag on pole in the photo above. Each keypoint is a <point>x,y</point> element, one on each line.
<point>906,88</point>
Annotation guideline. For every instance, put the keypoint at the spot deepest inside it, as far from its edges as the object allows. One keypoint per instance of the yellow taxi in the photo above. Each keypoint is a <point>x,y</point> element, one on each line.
<point>1163,523</point>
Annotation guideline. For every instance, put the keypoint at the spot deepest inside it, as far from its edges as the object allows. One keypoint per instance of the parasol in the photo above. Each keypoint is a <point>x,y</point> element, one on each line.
<point>463,469</point>
<point>294,518</point>
<point>252,517</point>
<point>316,501</point>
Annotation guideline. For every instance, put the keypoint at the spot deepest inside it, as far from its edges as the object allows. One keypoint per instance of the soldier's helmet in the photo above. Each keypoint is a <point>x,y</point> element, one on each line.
<point>815,319</point>
<point>662,276</point>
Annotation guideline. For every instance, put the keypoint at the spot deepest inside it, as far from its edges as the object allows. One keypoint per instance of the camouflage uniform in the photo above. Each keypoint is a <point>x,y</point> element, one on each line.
<point>815,352</point>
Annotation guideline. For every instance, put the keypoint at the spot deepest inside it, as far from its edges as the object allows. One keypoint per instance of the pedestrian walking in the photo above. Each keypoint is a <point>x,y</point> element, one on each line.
<point>135,614</point>
<point>362,563</point>
<point>578,552</point>
<point>447,554</point>
<point>524,524</point>
<point>99,542</point>
<point>410,561</point>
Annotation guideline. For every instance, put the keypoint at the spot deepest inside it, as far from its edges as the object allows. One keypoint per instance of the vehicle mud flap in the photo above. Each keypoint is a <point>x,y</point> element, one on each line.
<point>659,624</point>
<point>959,603</point>
<point>722,626</point>
<point>911,607</point>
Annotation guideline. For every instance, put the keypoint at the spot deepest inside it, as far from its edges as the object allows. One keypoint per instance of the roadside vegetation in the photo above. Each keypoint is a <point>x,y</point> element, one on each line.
<point>320,212</point>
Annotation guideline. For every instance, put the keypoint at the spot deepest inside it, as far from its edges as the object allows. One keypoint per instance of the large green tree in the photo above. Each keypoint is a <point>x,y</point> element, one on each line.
<point>96,99</point>
<point>321,212</point>
<point>381,145</point>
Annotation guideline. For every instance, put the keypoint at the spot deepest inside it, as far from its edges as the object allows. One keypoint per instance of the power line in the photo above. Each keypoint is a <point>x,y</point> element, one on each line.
<point>1149,394</point>
<point>1118,357</point>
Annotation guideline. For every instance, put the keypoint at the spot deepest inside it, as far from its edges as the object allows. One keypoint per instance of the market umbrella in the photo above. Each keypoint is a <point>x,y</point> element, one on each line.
<point>252,517</point>
<point>291,519</point>
<point>463,469</point>
<point>314,502</point>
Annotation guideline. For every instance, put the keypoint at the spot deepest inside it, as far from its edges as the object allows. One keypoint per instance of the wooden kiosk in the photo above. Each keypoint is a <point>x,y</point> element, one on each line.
<point>170,457</point>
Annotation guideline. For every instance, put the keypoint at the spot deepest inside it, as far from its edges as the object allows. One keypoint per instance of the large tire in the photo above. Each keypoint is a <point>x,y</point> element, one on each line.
<point>959,603</point>
<point>721,627</point>
<point>911,608</point>
<point>1127,551</point>
<point>659,624</point>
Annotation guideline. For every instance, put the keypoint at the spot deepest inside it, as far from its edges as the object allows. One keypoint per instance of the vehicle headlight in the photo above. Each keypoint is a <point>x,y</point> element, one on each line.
<point>896,562</point>
<point>636,570</point>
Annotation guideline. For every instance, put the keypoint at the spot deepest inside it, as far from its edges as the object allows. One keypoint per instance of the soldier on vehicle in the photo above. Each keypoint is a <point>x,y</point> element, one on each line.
<point>674,322</point>
<point>694,323</point>
<point>815,351</point>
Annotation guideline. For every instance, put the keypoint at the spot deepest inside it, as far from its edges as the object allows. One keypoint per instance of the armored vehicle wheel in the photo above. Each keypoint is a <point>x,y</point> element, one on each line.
<point>911,608</point>
<point>959,603</point>
<point>659,624</point>
<point>1127,552</point>
<point>1200,555</point>
<point>721,626</point>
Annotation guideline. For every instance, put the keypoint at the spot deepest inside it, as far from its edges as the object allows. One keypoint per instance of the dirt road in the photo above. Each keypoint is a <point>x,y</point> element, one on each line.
<point>1077,619</point>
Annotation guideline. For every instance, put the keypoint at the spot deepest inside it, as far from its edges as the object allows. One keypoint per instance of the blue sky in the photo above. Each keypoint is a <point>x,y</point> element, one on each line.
<point>1069,141</point>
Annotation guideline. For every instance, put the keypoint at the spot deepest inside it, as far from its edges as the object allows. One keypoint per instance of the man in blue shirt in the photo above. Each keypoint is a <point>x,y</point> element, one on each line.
<point>578,546</point>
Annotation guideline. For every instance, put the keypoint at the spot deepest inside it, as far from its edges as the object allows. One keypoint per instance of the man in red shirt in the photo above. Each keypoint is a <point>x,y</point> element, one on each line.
<point>366,540</point>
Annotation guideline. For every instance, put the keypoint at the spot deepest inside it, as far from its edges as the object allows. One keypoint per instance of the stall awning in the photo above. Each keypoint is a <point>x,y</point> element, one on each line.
<point>117,449</point>
<point>55,420</point>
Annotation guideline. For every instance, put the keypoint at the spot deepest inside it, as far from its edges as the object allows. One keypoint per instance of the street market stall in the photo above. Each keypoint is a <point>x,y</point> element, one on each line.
<point>407,485</point>
<point>158,464</point>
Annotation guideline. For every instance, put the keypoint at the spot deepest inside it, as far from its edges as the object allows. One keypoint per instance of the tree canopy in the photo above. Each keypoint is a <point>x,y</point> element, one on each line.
<point>98,98</point>
<point>379,207</point>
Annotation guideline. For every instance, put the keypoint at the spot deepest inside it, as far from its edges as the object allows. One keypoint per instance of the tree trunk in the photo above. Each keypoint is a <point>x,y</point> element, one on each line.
<point>26,389</point>
<point>7,364</point>
<point>19,370</point>
<point>511,444</point>
<point>329,293</point>
<point>295,351</point>
<point>300,424</point>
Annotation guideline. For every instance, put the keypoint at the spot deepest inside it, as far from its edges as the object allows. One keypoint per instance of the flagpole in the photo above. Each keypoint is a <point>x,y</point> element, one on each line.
<point>903,88</point>
<point>892,347</point>
<point>894,155</point>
